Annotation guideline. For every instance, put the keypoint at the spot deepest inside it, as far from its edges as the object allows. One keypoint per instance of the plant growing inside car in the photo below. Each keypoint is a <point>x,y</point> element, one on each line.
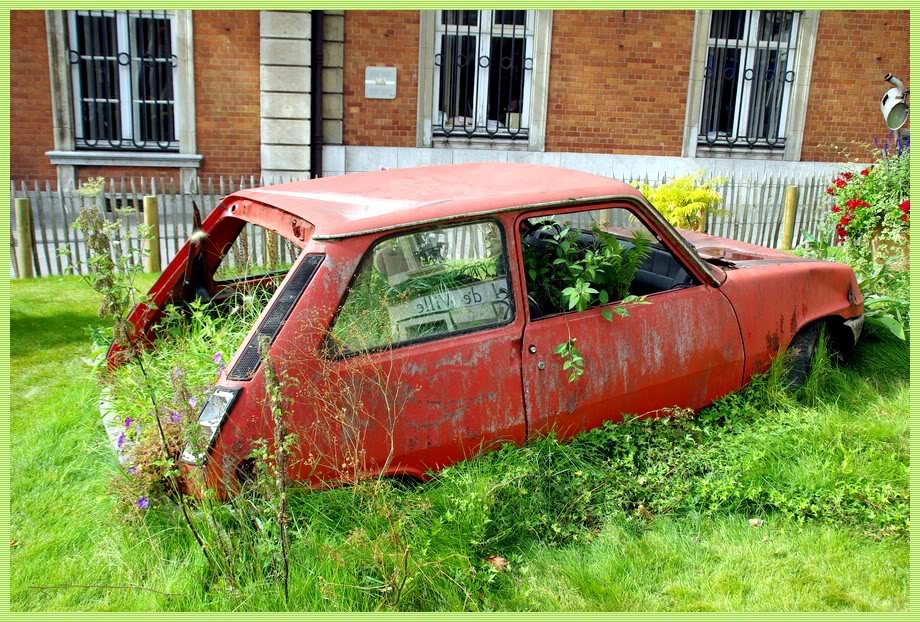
<point>570,274</point>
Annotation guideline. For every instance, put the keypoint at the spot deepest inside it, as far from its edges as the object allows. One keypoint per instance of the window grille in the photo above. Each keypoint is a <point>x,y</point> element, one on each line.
<point>123,73</point>
<point>748,78</point>
<point>483,67</point>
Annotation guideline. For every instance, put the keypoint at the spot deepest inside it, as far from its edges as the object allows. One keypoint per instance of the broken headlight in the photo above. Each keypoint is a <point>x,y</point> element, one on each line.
<point>211,418</point>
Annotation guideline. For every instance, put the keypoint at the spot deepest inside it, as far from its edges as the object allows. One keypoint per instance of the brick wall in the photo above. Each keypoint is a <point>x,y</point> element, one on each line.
<point>381,38</point>
<point>854,51</point>
<point>227,91</point>
<point>618,81</point>
<point>31,133</point>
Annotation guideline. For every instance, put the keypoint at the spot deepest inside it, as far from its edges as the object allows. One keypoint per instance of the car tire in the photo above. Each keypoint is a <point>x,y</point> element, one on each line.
<point>801,356</point>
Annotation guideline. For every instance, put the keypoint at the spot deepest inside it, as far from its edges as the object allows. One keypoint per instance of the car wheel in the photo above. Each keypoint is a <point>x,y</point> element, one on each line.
<point>801,356</point>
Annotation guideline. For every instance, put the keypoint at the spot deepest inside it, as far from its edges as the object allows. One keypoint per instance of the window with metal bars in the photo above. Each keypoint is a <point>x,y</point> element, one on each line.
<point>483,66</point>
<point>748,78</point>
<point>124,76</point>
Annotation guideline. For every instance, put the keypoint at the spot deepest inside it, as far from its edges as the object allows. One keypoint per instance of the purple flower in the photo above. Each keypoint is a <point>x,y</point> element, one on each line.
<point>143,503</point>
<point>192,402</point>
<point>128,422</point>
<point>174,416</point>
<point>218,358</point>
<point>121,440</point>
<point>132,470</point>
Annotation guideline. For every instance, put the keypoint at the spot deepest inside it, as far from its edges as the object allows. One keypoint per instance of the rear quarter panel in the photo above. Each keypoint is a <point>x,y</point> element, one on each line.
<point>774,300</point>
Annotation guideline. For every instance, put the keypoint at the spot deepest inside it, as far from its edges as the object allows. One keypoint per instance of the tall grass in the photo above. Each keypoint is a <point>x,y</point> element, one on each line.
<point>640,515</point>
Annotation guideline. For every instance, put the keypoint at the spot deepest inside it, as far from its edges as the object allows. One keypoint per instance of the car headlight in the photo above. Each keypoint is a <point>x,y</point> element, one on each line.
<point>211,418</point>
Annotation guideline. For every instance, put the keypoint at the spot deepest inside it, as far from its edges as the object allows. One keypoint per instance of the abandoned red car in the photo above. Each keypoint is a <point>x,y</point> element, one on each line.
<point>434,312</point>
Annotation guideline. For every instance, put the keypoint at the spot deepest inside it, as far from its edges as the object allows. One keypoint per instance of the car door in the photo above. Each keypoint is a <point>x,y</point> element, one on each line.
<point>682,348</point>
<point>452,329</point>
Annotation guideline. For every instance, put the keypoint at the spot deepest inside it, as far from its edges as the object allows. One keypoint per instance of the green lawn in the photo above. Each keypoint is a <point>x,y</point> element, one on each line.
<point>826,471</point>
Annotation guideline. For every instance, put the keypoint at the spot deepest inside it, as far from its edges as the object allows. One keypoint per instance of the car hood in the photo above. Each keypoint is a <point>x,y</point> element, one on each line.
<point>726,251</point>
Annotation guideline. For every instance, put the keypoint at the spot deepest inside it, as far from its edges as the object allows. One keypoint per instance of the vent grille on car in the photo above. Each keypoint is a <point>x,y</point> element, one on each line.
<point>249,360</point>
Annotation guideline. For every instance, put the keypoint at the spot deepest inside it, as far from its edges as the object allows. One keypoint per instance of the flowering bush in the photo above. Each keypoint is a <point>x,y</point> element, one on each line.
<point>870,214</point>
<point>873,202</point>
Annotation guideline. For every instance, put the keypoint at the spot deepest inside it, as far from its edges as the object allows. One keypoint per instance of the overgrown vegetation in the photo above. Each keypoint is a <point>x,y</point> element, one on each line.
<point>632,516</point>
<point>869,215</point>
<point>686,202</point>
<point>567,270</point>
<point>831,457</point>
<point>567,273</point>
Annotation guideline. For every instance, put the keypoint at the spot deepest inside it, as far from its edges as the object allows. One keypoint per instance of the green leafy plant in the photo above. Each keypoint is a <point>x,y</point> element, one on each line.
<point>569,274</point>
<point>687,201</point>
<point>572,275</point>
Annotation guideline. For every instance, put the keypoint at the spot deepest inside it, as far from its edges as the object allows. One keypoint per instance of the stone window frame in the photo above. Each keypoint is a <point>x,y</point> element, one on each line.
<point>798,100</point>
<point>536,141</point>
<point>65,155</point>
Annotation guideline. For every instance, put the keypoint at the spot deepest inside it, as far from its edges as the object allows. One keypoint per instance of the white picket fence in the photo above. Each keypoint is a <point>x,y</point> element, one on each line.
<point>755,214</point>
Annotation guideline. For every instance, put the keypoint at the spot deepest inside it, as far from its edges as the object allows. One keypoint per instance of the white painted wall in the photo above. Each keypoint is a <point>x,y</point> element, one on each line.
<point>338,159</point>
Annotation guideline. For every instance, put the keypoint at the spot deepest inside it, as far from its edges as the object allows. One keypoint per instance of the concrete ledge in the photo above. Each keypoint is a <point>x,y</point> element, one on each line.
<point>349,159</point>
<point>124,158</point>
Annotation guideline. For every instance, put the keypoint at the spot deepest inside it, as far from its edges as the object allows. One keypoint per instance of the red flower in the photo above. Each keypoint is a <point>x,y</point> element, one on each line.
<point>841,232</point>
<point>848,176</point>
<point>835,209</point>
<point>905,206</point>
<point>845,219</point>
<point>864,172</point>
<point>840,183</point>
<point>831,190</point>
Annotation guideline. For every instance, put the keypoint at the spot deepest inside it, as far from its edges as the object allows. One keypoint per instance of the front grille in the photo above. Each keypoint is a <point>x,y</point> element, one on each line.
<point>249,360</point>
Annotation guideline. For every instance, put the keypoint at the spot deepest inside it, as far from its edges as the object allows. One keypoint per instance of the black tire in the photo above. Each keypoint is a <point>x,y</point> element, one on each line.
<point>801,356</point>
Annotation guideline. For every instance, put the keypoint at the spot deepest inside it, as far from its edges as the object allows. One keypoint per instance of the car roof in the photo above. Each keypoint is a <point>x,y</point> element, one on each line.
<point>359,203</point>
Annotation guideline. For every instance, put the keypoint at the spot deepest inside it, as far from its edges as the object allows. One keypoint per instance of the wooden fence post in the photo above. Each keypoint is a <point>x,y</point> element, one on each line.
<point>152,244</point>
<point>24,235</point>
<point>792,206</point>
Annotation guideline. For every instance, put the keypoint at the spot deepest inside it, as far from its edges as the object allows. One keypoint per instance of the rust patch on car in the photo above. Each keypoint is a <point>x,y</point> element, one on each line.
<point>773,342</point>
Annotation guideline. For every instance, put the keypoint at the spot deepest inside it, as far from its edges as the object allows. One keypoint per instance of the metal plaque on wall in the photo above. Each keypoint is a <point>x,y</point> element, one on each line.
<point>380,82</point>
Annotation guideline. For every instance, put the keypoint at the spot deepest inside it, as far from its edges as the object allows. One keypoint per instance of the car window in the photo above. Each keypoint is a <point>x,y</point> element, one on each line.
<point>424,285</point>
<point>576,261</point>
<point>256,252</point>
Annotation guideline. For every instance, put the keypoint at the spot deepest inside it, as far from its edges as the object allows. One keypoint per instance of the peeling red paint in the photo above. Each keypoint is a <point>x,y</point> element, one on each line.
<point>464,393</point>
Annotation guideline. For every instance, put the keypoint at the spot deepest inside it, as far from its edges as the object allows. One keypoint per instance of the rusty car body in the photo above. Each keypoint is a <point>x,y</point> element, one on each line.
<point>471,383</point>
